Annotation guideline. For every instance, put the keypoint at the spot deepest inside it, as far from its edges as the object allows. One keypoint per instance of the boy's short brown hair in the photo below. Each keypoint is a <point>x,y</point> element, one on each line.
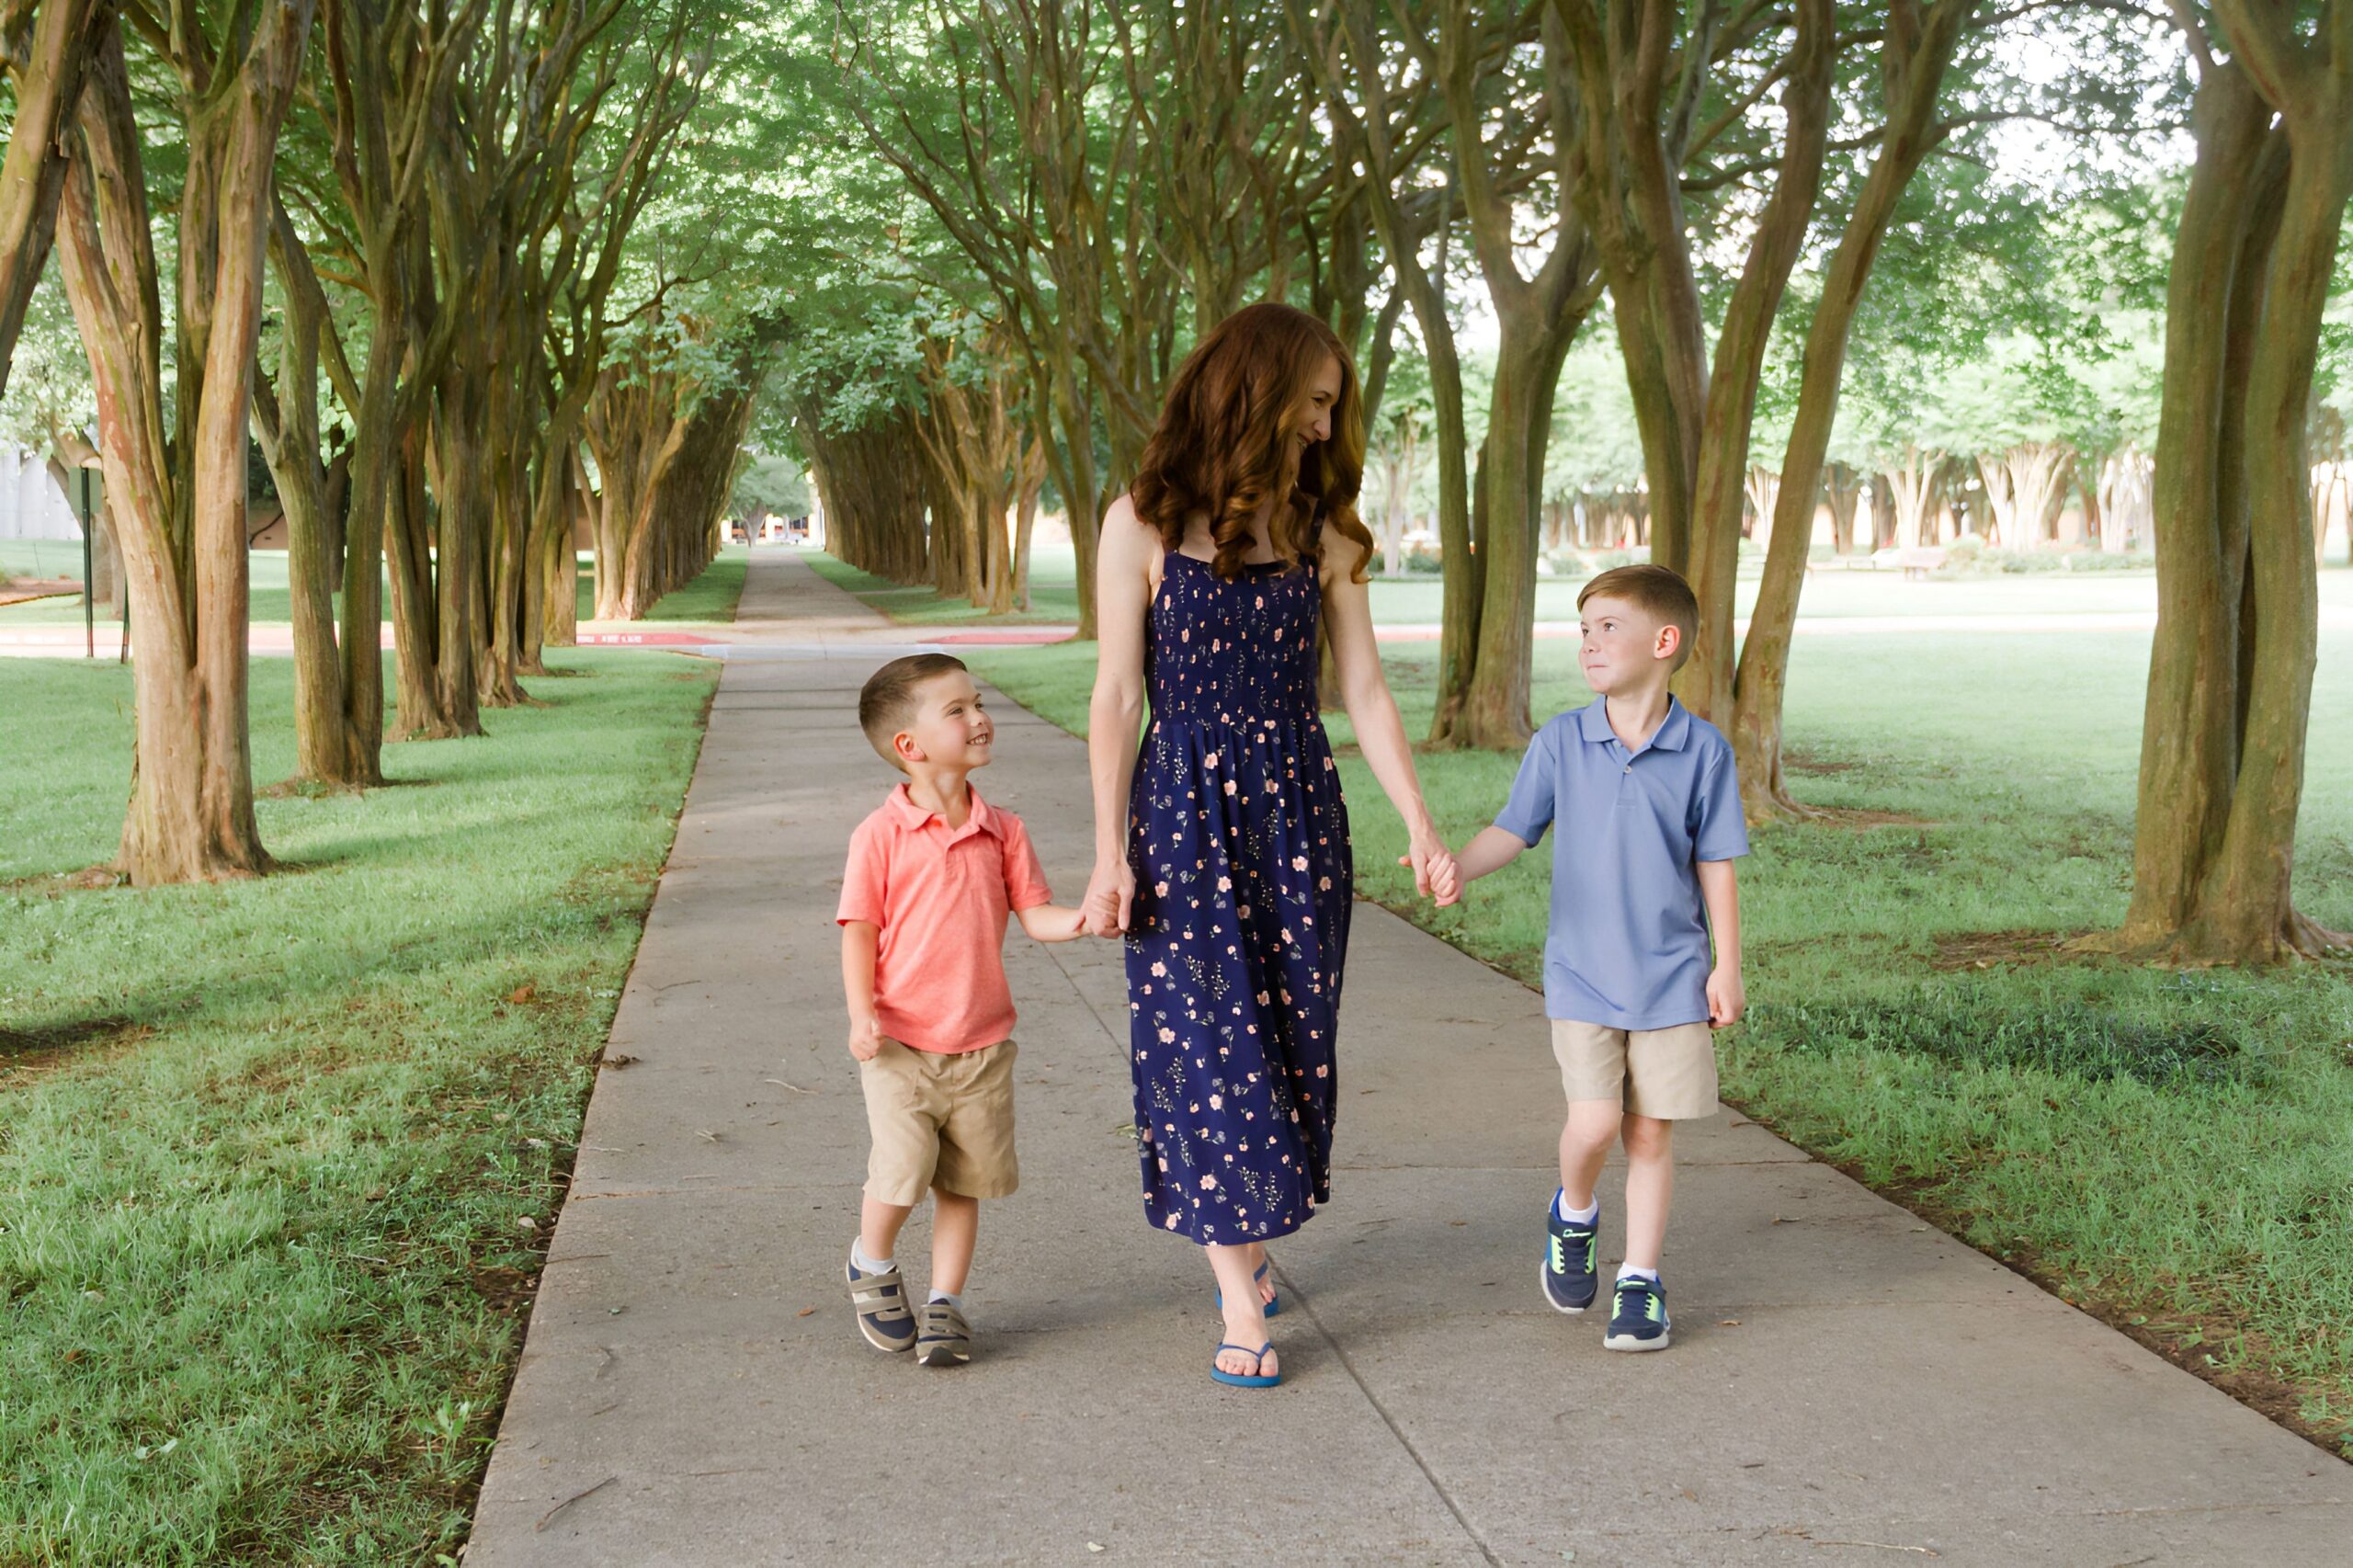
<point>1658,592</point>
<point>887,701</point>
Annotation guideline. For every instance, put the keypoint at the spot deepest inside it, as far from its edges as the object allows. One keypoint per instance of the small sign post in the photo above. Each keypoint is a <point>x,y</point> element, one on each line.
<point>90,577</point>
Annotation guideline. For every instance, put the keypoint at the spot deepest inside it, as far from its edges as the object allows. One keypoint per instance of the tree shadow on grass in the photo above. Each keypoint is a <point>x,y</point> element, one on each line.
<point>24,1053</point>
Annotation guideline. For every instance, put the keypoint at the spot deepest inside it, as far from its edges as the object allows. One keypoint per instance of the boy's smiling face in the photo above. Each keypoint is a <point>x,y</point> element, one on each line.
<point>950,728</point>
<point>1623,644</point>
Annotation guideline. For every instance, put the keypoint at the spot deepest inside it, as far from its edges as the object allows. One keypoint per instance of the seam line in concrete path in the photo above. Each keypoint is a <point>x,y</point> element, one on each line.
<point>1339,1353</point>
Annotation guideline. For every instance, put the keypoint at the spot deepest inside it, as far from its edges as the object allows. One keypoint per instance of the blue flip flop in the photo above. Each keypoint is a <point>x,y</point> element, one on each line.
<point>1274,1308</point>
<point>1251,1380</point>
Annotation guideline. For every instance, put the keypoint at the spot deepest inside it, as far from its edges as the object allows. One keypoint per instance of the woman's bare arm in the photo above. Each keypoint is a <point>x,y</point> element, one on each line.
<point>1380,734</point>
<point>1127,556</point>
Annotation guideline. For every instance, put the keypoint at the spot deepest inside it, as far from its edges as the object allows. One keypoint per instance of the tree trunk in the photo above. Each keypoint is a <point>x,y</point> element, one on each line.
<point>2231,663</point>
<point>46,85</point>
<point>1493,712</point>
<point>1911,486</point>
<point>1916,54</point>
<point>872,497</point>
<point>2245,913</point>
<point>1365,104</point>
<point>457,468</point>
<point>1032,484</point>
<point>1712,562</point>
<point>332,746</point>
<point>1841,487</point>
<point>182,507</point>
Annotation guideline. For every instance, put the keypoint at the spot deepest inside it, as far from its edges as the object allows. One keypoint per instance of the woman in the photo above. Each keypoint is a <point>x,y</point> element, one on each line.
<point>1221,845</point>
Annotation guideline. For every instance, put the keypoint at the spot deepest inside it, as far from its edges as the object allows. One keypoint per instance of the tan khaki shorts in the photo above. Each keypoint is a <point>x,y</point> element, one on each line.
<point>1666,1073</point>
<point>939,1120</point>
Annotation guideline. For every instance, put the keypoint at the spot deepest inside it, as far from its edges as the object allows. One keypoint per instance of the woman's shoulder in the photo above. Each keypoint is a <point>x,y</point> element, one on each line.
<point>1338,555</point>
<point>1127,532</point>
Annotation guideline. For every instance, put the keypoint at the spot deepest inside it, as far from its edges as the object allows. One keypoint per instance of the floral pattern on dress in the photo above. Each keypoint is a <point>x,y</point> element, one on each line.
<point>1239,842</point>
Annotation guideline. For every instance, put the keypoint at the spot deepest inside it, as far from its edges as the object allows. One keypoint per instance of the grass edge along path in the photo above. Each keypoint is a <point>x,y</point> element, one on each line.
<point>2165,1151</point>
<point>281,1157</point>
<point>712,600</point>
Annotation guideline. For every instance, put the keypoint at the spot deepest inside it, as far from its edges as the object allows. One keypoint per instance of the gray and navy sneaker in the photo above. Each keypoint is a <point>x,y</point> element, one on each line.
<point>880,1302</point>
<point>1568,1274</point>
<point>1638,1318</point>
<point>943,1337</point>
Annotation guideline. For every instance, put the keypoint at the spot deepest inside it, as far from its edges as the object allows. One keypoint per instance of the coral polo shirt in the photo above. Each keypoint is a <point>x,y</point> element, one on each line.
<point>940,896</point>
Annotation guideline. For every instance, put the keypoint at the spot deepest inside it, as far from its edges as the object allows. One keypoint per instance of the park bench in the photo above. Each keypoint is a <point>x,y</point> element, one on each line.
<point>1917,562</point>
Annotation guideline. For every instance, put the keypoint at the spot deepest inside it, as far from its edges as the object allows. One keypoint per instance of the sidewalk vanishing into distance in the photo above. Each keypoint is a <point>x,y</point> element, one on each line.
<point>1846,1385</point>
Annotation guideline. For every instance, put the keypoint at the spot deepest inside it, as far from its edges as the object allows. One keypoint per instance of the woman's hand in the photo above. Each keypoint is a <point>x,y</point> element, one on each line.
<point>1110,897</point>
<point>1435,874</point>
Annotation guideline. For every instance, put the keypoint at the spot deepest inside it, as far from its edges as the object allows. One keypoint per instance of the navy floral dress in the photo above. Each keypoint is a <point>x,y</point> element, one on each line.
<point>1239,842</point>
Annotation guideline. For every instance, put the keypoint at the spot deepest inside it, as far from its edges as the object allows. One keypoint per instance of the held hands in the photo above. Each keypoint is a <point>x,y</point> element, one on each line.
<point>1727,998</point>
<point>1436,876</point>
<point>1110,897</point>
<point>865,1038</point>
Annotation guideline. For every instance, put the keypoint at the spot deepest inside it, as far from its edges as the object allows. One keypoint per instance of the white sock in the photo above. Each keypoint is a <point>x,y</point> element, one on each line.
<point>953,1300</point>
<point>866,1264</point>
<point>1585,1216</point>
<point>1628,1271</point>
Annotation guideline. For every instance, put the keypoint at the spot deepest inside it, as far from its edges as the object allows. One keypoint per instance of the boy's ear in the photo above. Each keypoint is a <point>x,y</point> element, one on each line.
<point>1669,642</point>
<point>903,746</point>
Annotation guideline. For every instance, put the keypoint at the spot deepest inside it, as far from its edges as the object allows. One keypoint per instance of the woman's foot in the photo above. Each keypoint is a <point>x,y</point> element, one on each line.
<point>1243,1330</point>
<point>1239,1364</point>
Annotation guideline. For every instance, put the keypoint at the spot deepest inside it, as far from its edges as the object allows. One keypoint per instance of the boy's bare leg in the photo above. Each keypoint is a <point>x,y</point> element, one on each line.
<point>955,1232</point>
<point>877,1227</point>
<point>1649,1186</point>
<point>1592,1126</point>
<point>1244,1313</point>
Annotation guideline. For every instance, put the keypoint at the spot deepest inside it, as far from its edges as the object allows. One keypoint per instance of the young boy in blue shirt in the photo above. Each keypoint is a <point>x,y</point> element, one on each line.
<point>1648,809</point>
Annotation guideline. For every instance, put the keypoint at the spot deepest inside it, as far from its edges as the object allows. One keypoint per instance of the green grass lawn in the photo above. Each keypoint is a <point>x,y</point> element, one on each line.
<point>2172,1149</point>
<point>278,1157</point>
<point>1832,593</point>
<point>709,597</point>
<point>40,557</point>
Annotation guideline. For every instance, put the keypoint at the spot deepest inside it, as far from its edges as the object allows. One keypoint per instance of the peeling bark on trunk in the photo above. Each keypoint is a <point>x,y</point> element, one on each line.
<point>2230,674</point>
<point>45,75</point>
<point>181,507</point>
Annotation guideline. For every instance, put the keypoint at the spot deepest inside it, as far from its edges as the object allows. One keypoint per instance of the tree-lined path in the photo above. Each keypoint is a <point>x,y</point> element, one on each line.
<point>1849,1384</point>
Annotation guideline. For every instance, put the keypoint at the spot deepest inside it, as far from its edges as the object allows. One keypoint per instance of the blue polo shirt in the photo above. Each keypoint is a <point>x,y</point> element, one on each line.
<point>1628,943</point>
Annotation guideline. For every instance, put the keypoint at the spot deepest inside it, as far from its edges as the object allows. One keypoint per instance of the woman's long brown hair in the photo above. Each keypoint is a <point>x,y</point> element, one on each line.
<point>1224,444</point>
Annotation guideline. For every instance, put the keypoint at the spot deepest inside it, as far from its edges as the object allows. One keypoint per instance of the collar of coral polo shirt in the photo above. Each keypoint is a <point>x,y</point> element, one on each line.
<point>914,818</point>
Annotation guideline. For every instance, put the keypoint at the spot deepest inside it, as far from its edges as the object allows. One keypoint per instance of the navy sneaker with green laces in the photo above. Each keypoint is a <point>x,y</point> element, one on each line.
<point>1568,1274</point>
<point>1638,1318</point>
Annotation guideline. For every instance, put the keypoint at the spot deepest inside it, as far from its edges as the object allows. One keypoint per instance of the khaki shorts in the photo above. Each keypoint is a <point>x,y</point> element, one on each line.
<point>1666,1073</point>
<point>939,1120</point>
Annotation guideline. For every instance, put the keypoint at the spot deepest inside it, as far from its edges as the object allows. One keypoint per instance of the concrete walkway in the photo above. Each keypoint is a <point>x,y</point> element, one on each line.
<point>1848,1385</point>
